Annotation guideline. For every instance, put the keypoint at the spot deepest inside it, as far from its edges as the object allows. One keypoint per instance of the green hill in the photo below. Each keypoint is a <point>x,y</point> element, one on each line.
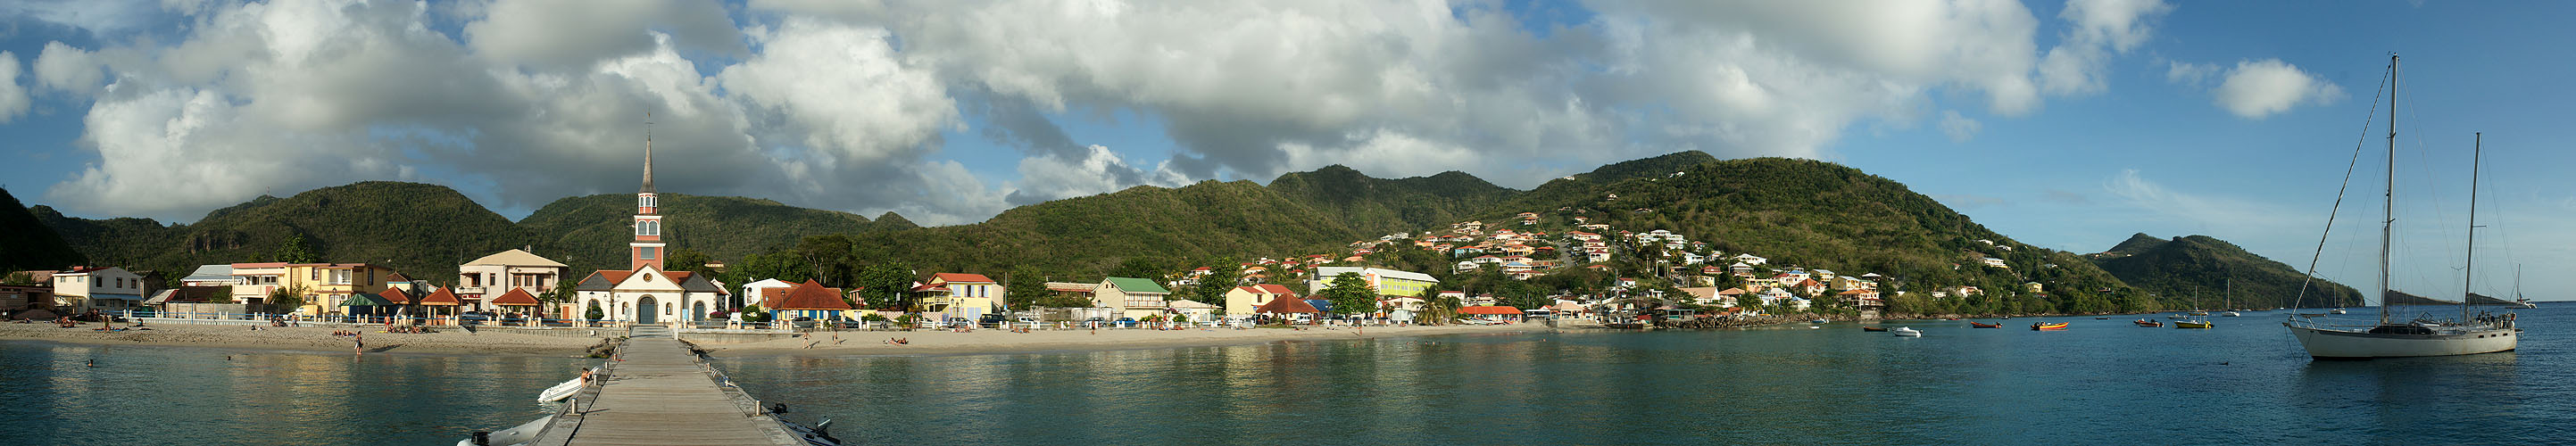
<point>29,243</point>
<point>420,230</point>
<point>2200,264</point>
<point>1089,235</point>
<point>1822,215</point>
<point>594,229</point>
<point>1383,206</point>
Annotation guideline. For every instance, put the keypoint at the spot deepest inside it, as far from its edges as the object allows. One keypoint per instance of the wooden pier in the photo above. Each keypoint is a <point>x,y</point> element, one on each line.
<point>663,395</point>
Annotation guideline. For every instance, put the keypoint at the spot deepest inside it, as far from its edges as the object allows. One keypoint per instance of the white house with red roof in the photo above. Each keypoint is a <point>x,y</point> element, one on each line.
<point>644,293</point>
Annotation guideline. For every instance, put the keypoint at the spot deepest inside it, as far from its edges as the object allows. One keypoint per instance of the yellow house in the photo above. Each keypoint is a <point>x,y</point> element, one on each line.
<point>1386,281</point>
<point>1240,301</point>
<point>326,285</point>
<point>967,296</point>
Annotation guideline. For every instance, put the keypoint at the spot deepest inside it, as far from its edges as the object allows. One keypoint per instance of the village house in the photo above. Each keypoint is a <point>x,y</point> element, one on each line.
<point>1241,300</point>
<point>84,288</point>
<point>1133,297</point>
<point>1385,281</point>
<point>959,296</point>
<point>497,274</point>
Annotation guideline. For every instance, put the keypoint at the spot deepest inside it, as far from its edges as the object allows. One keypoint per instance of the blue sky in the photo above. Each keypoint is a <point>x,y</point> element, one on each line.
<point>2068,125</point>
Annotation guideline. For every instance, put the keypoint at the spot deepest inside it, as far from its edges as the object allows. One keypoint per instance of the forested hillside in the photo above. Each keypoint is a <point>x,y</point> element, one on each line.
<point>1382,206</point>
<point>421,230</point>
<point>27,243</point>
<point>2200,265</point>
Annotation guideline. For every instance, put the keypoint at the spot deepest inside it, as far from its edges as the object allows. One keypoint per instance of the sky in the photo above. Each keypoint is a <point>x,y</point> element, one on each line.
<point>2068,125</point>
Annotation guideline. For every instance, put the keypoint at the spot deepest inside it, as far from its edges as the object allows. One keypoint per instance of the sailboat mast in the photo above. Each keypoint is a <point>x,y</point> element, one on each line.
<point>2388,199</point>
<point>2468,271</point>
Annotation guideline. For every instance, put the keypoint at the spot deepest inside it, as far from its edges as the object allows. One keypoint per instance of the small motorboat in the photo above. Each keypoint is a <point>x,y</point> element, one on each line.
<point>1907,332</point>
<point>565,390</point>
<point>1818,321</point>
<point>2192,324</point>
<point>2336,311</point>
<point>1871,328</point>
<point>2047,326</point>
<point>2230,314</point>
<point>2149,323</point>
<point>1985,325</point>
<point>512,436</point>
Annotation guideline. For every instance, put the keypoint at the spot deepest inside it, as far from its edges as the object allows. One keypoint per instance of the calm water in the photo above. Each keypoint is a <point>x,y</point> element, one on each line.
<point>2103,381</point>
<point>174,395</point>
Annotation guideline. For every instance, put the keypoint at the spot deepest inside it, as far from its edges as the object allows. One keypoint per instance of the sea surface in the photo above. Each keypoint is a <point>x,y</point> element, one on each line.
<point>2099,382</point>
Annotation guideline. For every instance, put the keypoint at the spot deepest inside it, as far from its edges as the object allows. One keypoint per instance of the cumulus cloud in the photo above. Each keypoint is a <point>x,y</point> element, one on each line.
<point>2101,28</point>
<point>844,105</point>
<point>2193,74</point>
<point>13,97</point>
<point>1960,128</point>
<point>1044,178</point>
<point>2258,89</point>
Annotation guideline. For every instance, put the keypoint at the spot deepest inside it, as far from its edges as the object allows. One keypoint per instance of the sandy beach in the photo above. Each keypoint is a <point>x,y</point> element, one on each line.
<point>446,341</point>
<point>1004,341</point>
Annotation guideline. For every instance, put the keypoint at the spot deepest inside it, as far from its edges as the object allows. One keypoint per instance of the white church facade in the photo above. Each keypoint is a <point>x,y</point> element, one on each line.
<point>645,293</point>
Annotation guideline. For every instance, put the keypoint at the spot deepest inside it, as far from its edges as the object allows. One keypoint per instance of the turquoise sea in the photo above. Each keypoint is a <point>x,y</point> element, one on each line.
<point>2102,381</point>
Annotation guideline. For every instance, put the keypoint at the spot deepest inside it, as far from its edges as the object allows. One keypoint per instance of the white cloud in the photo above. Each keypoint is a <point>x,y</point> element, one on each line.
<point>13,97</point>
<point>1044,178</point>
<point>99,17</point>
<point>1960,128</point>
<point>2101,28</point>
<point>2206,211</point>
<point>576,33</point>
<point>2258,89</point>
<point>2193,74</point>
<point>843,105</point>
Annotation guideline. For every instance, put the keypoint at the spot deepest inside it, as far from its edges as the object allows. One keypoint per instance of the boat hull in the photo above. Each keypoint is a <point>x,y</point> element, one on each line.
<point>2339,344</point>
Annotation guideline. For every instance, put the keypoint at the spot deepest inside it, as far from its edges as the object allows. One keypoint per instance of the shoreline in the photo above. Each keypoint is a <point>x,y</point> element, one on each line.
<point>981,342</point>
<point>305,339</point>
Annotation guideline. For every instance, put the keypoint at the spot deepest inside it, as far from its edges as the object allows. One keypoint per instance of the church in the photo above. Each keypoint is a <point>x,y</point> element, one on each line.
<point>644,293</point>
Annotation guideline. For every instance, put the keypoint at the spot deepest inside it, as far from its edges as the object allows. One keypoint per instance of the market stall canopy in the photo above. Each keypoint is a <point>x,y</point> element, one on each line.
<point>516,298</point>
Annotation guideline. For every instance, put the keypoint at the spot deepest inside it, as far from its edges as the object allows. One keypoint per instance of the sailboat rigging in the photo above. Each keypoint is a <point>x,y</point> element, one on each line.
<point>2470,334</point>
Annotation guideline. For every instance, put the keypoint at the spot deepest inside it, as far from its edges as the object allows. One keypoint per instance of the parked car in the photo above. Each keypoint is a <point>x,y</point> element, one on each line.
<point>1126,322</point>
<point>471,317</point>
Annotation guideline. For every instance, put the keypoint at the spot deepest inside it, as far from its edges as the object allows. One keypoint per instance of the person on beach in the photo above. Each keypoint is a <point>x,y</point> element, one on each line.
<point>359,344</point>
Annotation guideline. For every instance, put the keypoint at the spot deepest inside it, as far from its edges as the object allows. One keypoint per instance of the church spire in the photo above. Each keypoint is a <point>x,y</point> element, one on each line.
<point>648,153</point>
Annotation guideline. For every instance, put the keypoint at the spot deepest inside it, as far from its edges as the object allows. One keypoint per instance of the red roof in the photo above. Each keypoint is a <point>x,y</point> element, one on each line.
<point>770,297</point>
<point>442,297</point>
<point>1286,306</point>
<point>396,277</point>
<point>614,277</point>
<point>961,278</point>
<point>1269,288</point>
<point>1488,309</point>
<point>516,297</point>
<point>812,296</point>
<point>395,296</point>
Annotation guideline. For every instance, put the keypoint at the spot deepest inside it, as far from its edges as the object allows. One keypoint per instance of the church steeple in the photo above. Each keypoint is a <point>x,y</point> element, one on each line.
<point>647,250</point>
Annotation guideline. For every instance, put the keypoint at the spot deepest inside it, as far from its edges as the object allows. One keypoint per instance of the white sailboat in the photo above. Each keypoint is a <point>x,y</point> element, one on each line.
<point>2390,338</point>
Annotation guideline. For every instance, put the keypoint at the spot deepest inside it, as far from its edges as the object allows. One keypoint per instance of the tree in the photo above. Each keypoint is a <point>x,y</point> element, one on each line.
<point>286,297</point>
<point>832,258</point>
<point>294,250</point>
<point>685,259</point>
<point>885,286</point>
<point>1139,267</point>
<point>19,278</point>
<point>222,295</point>
<point>1439,310</point>
<point>1350,294</point>
<point>563,292</point>
<point>1025,287</point>
<point>1211,290</point>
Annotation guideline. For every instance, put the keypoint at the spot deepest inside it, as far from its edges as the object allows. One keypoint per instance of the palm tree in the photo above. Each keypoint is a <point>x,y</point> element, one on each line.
<point>1439,310</point>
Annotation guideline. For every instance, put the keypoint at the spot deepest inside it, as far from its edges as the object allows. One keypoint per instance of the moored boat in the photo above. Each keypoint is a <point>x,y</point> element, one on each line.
<point>1869,328</point>
<point>1985,325</point>
<point>516,435</point>
<point>2192,324</point>
<point>2149,323</point>
<point>2336,311</point>
<point>565,390</point>
<point>2048,326</point>
<point>1908,332</point>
